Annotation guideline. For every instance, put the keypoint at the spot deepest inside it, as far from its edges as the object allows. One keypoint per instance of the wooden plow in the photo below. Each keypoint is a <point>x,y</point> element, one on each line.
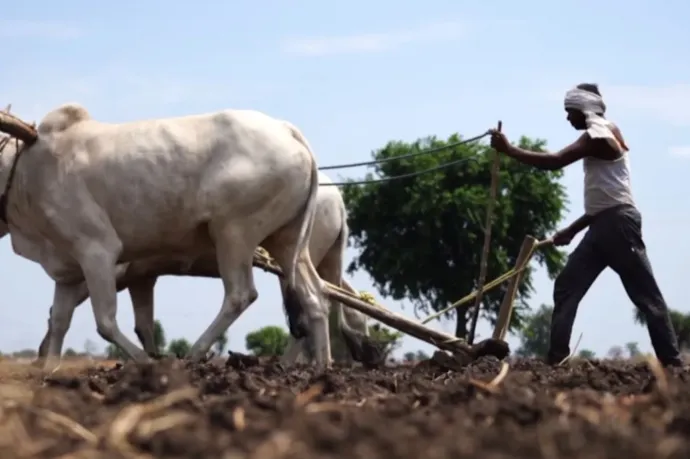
<point>462,352</point>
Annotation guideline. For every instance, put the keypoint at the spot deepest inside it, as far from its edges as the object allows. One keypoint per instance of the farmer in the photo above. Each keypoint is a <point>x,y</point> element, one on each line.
<point>614,238</point>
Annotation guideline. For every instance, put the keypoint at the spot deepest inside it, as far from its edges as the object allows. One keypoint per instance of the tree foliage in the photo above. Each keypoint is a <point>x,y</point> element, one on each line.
<point>415,356</point>
<point>389,338</point>
<point>113,352</point>
<point>220,344</point>
<point>633,349</point>
<point>680,322</point>
<point>179,347</point>
<point>70,353</point>
<point>159,336</point>
<point>267,341</point>
<point>616,352</point>
<point>586,354</point>
<point>535,332</point>
<point>420,238</point>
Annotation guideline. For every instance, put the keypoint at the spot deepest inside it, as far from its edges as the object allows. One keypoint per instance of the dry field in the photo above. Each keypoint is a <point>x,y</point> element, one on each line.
<point>244,408</point>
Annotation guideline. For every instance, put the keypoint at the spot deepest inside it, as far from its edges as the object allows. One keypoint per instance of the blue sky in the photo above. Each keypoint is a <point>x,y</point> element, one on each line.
<point>352,76</point>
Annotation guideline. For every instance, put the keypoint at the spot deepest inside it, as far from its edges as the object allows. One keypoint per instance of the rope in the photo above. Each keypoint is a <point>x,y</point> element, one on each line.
<point>411,174</point>
<point>409,155</point>
<point>490,285</point>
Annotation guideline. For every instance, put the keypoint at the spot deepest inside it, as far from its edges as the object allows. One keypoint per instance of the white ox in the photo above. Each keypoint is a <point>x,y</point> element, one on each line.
<point>326,250</point>
<point>102,194</point>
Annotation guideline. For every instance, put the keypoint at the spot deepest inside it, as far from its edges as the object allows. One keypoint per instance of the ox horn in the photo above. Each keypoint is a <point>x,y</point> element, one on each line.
<point>11,125</point>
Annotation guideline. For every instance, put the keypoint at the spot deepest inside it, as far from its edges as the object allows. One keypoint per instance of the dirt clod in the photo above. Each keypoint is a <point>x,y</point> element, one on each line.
<point>254,408</point>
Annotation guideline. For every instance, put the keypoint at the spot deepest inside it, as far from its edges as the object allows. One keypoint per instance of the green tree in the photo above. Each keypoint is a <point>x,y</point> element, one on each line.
<point>159,336</point>
<point>267,341</point>
<point>25,354</point>
<point>586,354</point>
<point>391,340</point>
<point>113,352</point>
<point>415,356</point>
<point>179,347</point>
<point>616,352</point>
<point>535,332</point>
<point>633,349</point>
<point>70,353</point>
<point>420,238</point>
<point>680,322</point>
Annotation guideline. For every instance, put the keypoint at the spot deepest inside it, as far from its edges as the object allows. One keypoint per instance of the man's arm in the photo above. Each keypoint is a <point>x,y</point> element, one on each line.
<point>579,224</point>
<point>553,161</point>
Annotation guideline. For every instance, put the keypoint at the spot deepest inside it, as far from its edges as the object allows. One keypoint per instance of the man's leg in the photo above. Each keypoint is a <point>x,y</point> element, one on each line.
<point>628,257</point>
<point>581,270</point>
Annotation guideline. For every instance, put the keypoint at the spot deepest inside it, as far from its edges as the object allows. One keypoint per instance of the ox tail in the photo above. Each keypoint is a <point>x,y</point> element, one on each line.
<point>309,210</point>
<point>291,302</point>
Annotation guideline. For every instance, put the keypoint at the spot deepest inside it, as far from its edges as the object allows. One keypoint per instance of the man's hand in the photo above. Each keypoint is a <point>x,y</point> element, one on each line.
<point>563,237</point>
<point>499,141</point>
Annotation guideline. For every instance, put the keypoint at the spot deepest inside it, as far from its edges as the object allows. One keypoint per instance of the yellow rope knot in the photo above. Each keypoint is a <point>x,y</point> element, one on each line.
<point>263,253</point>
<point>366,296</point>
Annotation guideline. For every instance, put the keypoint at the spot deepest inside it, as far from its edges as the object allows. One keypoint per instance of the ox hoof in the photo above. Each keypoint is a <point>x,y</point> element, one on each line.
<point>298,329</point>
<point>366,350</point>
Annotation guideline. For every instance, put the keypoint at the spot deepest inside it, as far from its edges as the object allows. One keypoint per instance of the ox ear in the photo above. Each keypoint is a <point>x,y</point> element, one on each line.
<point>15,127</point>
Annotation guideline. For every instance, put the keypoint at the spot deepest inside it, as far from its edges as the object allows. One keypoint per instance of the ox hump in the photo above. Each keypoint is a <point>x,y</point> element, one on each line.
<point>63,118</point>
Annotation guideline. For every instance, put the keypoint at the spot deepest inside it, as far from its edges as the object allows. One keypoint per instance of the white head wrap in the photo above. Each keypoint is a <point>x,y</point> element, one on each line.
<point>585,101</point>
<point>591,105</point>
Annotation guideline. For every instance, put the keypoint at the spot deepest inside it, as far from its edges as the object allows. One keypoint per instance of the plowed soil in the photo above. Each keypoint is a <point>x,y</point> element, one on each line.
<point>245,408</point>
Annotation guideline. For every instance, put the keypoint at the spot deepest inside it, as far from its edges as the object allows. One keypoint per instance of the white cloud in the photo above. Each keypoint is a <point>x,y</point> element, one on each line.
<point>681,151</point>
<point>20,28</point>
<point>374,42</point>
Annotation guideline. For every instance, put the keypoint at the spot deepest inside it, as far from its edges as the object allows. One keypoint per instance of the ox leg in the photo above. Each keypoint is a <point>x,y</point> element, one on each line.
<point>81,294</point>
<point>235,269</point>
<point>349,322</point>
<point>99,267</point>
<point>65,300</point>
<point>141,292</point>
<point>305,296</point>
<point>295,347</point>
<point>293,351</point>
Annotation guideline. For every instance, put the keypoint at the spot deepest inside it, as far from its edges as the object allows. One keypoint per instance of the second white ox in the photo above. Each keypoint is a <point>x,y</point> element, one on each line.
<point>102,194</point>
<point>326,250</point>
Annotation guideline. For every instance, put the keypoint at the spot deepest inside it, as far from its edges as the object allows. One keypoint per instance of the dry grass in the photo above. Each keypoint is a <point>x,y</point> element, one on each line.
<point>22,418</point>
<point>14,370</point>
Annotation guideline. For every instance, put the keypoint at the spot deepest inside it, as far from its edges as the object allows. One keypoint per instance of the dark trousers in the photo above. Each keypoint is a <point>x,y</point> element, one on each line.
<point>614,240</point>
